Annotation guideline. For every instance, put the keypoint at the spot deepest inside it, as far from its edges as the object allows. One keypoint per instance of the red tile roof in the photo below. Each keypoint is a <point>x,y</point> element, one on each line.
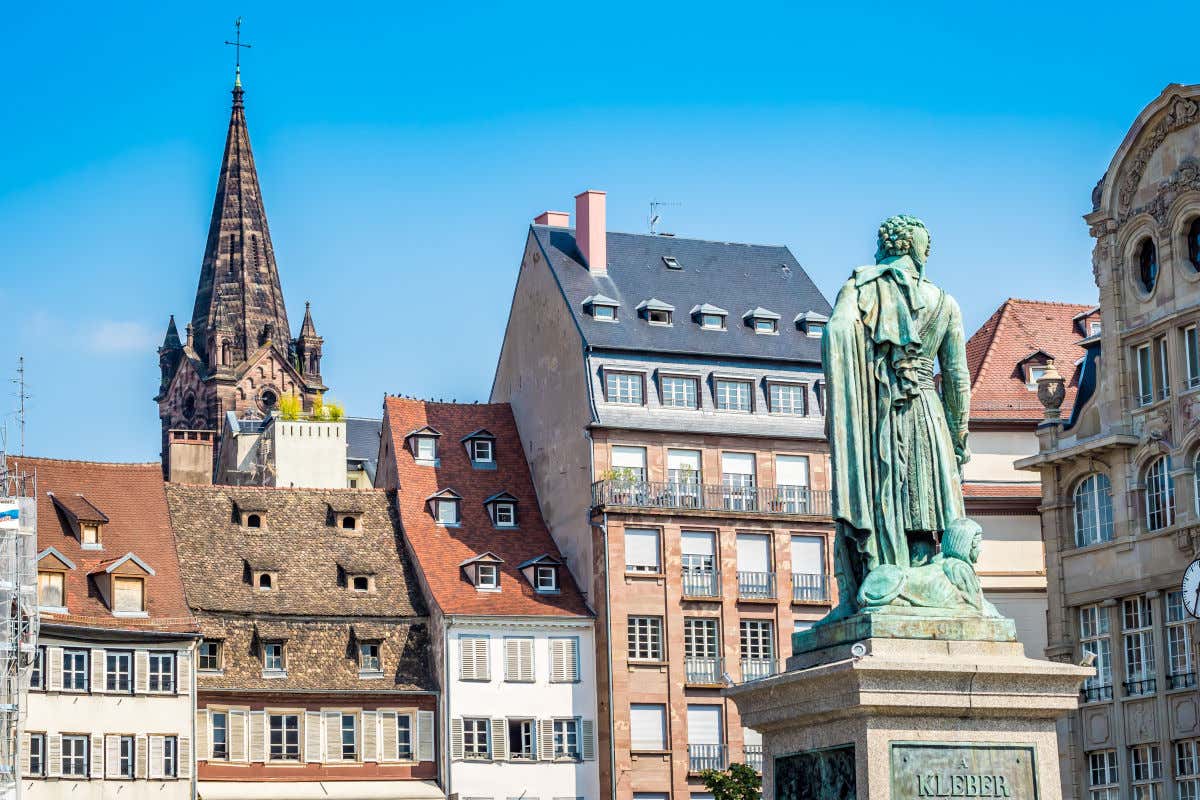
<point>440,550</point>
<point>131,496</point>
<point>1018,330</point>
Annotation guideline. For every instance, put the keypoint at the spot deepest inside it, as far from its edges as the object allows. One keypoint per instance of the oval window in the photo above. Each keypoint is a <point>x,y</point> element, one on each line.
<point>1193,242</point>
<point>1147,258</point>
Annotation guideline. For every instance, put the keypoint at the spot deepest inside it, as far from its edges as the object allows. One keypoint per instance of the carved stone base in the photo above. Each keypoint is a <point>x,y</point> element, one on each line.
<point>900,623</point>
<point>911,718</point>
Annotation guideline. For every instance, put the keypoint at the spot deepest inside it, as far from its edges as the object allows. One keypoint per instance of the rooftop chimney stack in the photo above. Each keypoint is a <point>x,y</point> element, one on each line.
<point>553,219</point>
<point>590,230</point>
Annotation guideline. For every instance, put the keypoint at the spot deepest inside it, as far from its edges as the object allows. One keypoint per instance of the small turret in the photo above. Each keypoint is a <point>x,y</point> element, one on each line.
<point>169,354</point>
<point>308,347</point>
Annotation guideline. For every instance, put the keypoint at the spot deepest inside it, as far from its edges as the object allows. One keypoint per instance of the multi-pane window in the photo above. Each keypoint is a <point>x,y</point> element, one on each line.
<point>1145,772</point>
<point>425,448</point>
<point>487,576</point>
<point>349,737</point>
<point>1191,356</point>
<point>162,672</point>
<point>623,387</point>
<point>125,756</point>
<point>170,766</point>
<point>37,755</point>
<point>566,738</point>
<point>521,739</point>
<point>1187,769</point>
<point>273,657</point>
<point>757,639</point>
<point>476,738</point>
<point>714,322</point>
<point>546,579</point>
<point>679,391</point>
<point>504,515</point>
<point>368,657</point>
<point>404,737</point>
<point>737,477</point>
<point>629,463</point>
<point>1164,370</point>
<point>75,670</point>
<point>733,395</point>
<point>37,673</point>
<point>645,639</point>
<point>1094,639</point>
<point>447,511</point>
<point>119,671</point>
<point>1160,495</point>
<point>210,655</point>
<point>285,737</point>
<point>75,756</point>
<point>220,735</point>
<point>1103,779</point>
<point>642,550</point>
<point>1093,510</point>
<point>481,451</point>
<point>1180,672</point>
<point>787,398</point>
<point>1145,375</point>
<point>702,650</point>
<point>1137,630</point>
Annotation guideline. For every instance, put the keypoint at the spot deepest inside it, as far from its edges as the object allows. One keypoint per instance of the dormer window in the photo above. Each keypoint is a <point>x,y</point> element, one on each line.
<point>89,535</point>
<point>483,571</point>
<point>710,317</point>
<point>122,585</point>
<point>1033,372</point>
<point>762,320</point>
<point>502,508</point>
<point>349,523</point>
<point>656,312</point>
<point>273,657</point>
<point>360,583</point>
<point>812,323</point>
<point>423,443</point>
<point>481,449</point>
<point>264,581</point>
<point>129,595</point>
<point>253,521</point>
<point>84,517</point>
<point>52,591</point>
<point>446,507</point>
<point>546,579</point>
<point>601,308</point>
<point>345,516</point>
<point>368,658</point>
<point>542,573</point>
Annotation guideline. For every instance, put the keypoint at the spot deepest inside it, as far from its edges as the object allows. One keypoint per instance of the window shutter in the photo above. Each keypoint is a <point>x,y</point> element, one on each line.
<point>258,736</point>
<point>388,736</point>
<point>473,651</point>
<point>97,754</point>
<point>141,671</point>
<point>545,735</point>
<point>565,653</point>
<point>184,755</point>
<point>456,739</point>
<point>54,746</point>
<point>54,677</point>
<point>156,757</point>
<point>139,760</point>
<point>424,735</point>
<point>112,756</point>
<point>99,665</point>
<point>183,673</point>
<point>587,730</point>
<point>25,755</point>
<point>370,736</point>
<point>237,735</point>
<point>333,736</point>
<point>466,658</point>
<point>203,753</point>
<point>499,741</point>
<point>312,736</point>
<point>518,659</point>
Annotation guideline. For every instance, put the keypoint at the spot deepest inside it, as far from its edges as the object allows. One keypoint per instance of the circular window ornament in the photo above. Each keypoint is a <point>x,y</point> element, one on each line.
<point>1147,263</point>
<point>268,398</point>
<point>1193,244</point>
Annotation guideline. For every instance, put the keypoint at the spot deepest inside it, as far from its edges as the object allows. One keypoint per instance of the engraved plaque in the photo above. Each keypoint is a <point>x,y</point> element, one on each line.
<point>828,774</point>
<point>963,769</point>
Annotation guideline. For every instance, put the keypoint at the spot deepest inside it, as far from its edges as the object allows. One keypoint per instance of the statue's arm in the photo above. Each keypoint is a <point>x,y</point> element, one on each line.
<point>956,381</point>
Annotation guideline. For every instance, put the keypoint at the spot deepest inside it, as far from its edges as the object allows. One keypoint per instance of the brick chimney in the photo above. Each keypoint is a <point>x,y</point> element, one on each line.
<point>590,230</point>
<point>554,219</point>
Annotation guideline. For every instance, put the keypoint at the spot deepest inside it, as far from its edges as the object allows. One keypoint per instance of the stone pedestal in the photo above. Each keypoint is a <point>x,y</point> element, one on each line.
<point>900,718</point>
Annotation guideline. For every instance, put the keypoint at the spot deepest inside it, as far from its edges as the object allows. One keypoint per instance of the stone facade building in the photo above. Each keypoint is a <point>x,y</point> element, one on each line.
<point>1006,356</point>
<point>313,676</point>
<point>1119,476</point>
<point>668,396</point>
<point>513,641</point>
<point>111,692</point>
<point>238,353</point>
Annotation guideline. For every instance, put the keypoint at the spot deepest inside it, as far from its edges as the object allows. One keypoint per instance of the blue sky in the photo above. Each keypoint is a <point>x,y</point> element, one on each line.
<point>403,149</point>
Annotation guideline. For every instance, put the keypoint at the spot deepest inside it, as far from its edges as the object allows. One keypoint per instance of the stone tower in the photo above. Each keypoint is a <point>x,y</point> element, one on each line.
<point>238,354</point>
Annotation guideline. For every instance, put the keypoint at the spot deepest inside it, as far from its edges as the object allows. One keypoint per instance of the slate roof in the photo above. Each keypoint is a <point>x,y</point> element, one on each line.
<point>725,274</point>
<point>362,441</point>
<point>1018,330</point>
<point>131,497</point>
<point>440,550</point>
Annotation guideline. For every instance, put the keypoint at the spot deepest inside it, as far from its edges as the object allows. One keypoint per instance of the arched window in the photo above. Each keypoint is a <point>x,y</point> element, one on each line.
<point>1196,482</point>
<point>253,521</point>
<point>1147,259</point>
<point>1160,495</point>
<point>1193,244</point>
<point>1093,510</point>
<point>348,523</point>
<point>264,580</point>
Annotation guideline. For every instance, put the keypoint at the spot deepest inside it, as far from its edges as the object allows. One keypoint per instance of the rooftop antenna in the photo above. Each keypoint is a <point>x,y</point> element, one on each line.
<point>656,217</point>
<point>22,396</point>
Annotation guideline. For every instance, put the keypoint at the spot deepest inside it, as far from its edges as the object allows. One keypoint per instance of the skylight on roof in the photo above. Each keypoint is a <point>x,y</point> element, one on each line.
<point>672,262</point>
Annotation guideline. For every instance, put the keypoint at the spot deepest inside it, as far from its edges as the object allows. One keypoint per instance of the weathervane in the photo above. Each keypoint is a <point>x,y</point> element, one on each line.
<point>237,46</point>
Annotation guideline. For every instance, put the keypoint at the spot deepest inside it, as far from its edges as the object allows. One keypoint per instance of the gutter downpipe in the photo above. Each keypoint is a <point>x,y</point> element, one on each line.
<point>612,740</point>
<point>445,703</point>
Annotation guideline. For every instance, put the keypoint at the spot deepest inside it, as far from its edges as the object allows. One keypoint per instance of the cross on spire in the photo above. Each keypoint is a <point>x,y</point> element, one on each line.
<point>237,48</point>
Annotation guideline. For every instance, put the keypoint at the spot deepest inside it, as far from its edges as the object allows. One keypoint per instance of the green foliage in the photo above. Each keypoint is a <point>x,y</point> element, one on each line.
<point>335,411</point>
<point>318,408</point>
<point>290,407</point>
<point>739,782</point>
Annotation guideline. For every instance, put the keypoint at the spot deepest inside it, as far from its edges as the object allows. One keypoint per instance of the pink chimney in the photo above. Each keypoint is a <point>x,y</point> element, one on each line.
<point>554,219</point>
<point>590,230</point>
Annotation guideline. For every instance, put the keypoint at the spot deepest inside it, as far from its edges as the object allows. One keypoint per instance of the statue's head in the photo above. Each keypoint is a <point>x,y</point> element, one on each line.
<point>962,540</point>
<point>904,235</point>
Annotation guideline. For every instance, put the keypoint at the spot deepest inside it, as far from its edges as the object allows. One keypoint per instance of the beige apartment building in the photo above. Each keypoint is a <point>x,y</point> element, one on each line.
<point>1119,474</point>
<point>668,397</point>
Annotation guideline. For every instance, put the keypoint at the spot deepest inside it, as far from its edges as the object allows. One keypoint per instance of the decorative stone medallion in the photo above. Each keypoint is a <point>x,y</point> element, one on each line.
<point>828,774</point>
<point>983,770</point>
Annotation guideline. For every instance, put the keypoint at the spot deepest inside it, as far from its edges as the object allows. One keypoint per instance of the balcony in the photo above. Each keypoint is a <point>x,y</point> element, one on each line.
<point>704,671</point>
<point>755,669</point>
<point>810,587</point>
<point>706,756</point>
<point>701,583</point>
<point>675,495</point>
<point>1136,688</point>
<point>756,585</point>
<point>1095,694</point>
<point>1181,680</point>
<point>754,757</point>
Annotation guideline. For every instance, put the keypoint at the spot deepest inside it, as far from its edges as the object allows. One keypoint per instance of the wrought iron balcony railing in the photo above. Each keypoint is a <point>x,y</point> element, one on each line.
<point>755,669</point>
<point>1181,680</point>
<point>1142,686</point>
<point>704,671</point>
<point>701,583</point>
<point>678,495</point>
<point>706,756</point>
<point>810,587</point>
<point>754,757</point>
<point>1094,694</point>
<point>756,585</point>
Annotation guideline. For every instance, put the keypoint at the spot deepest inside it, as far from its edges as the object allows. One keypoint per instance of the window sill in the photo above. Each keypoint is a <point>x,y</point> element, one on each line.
<point>370,675</point>
<point>483,465</point>
<point>53,610</point>
<point>505,527</point>
<point>132,614</point>
<point>91,547</point>
<point>211,673</point>
<point>274,674</point>
<point>548,591</point>
<point>494,589</point>
<point>427,462</point>
<point>449,524</point>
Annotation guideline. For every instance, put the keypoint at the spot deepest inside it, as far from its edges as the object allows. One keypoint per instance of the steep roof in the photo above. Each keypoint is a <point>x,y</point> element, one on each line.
<point>131,498</point>
<point>736,277</point>
<point>441,550</point>
<point>1017,331</point>
<point>362,441</point>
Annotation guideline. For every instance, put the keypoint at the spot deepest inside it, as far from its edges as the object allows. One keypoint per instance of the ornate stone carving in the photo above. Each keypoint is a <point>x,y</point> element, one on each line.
<point>1181,112</point>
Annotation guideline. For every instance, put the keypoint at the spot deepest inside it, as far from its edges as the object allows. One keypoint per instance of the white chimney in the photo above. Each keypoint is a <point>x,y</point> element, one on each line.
<point>590,230</point>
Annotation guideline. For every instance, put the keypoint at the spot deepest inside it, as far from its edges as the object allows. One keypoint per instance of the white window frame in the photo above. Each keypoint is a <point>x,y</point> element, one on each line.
<point>1191,356</point>
<point>566,737</point>
<point>477,739</point>
<point>526,734</point>
<point>1146,771</point>
<point>487,575</point>
<point>1160,494</point>
<point>220,749</point>
<point>274,663</point>
<point>369,658</point>
<point>37,755</point>
<point>215,655</point>
<point>1103,776</point>
<point>640,565</point>
<point>1137,639</point>
<point>405,751</point>
<point>645,638</point>
<point>712,322</point>
<point>161,670</point>
<point>75,656</point>
<point>487,458</point>
<point>766,325</point>
<point>658,316</point>
<point>1093,511</point>
<point>37,670</point>
<point>796,405</point>
<point>624,388</point>
<point>603,312</point>
<point>349,725</point>
<point>676,388</point>
<point>504,514</point>
<point>1095,638</point>
<point>545,578</point>
<point>1181,669</point>
<point>425,448</point>
<point>756,639</point>
<point>1187,768</point>
<point>1145,374</point>
<point>727,399</point>
<point>1163,373</point>
<point>447,510</point>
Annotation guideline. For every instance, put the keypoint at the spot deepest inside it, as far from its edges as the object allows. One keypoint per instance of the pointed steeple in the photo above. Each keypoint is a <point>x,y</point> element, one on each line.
<point>308,348</point>
<point>307,328</point>
<point>239,301</point>
<point>171,340</point>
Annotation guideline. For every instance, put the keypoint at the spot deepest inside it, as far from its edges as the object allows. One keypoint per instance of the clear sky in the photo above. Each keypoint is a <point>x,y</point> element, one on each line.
<point>404,147</point>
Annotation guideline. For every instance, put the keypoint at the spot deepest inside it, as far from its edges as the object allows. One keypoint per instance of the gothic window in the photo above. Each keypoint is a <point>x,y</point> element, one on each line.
<point>189,406</point>
<point>1193,244</point>
<point>226,353</point>
<point>1093,510</point>
<point>1147,260</point>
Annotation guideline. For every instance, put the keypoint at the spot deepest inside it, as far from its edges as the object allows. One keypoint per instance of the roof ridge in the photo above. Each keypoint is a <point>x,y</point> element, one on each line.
<point>229,486</point>
<point>85,461</point>
<point>1049,303</point>
<point>657,236</point>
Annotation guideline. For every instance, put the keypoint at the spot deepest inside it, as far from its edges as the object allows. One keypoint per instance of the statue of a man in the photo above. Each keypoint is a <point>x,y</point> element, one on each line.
<point>897,444</point>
